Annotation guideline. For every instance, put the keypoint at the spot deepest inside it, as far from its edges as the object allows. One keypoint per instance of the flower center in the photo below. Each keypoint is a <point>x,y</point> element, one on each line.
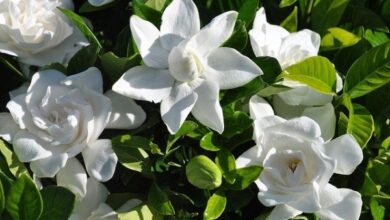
<point>184,64</point>
<point>292,165</point>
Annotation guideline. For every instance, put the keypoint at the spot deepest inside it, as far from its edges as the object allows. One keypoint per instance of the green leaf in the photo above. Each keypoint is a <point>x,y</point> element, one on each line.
<point>316,72</point>
<point>236,122</point>
<point>16,167</point>
<point>362,16</point>
<point>159,201</point>
<point>82,26</point>
<point>156,4</point>
<point>2,198</point>
<point>125,141</point>
<point>375,38</point>
<point>210,142</point>
<point>24,201</point>
<point>291,21</point>
<point>360,124</point>
<point>337,38</point>
<point>270,66</point>
<point>226,162</point>
<point>247,11</point>
<point>239,38</point>
<point>147,13</point>
<point>215,205</point>
<point>327,13</point>
<point>286,3</point>
<point>132,158</point>
<point>115,66</point>
<point>84,58</point>
<point>140,212</point>
<point>272,90</point>
<point>186,128</point>
<point>377,210</point>
<point>244,177</point>
<point>369,72</point>
<point>242,92</point>
<point>203,173</point>
<point>58,203</point>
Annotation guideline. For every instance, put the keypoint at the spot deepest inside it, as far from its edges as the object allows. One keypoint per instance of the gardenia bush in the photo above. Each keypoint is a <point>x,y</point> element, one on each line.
<point>192,109</point>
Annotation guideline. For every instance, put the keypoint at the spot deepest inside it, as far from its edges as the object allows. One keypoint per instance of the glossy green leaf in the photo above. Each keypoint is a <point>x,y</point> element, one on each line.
<point>286,3</point>
<point>247,11</point>
<point>369,72</point>
<point>2,198</point>
<point>242,92</point>
<point>226,162</point>
<point>82,26</point>
<point>377,210</point>
<point>159,201</point>
<point>142,211</point>
<point>244,177</point>
<point>337,38</point>
<point>156,4</point>
<point>24,201</point>
<point>186,128</point>
<point>146,12</point>
<point>215,205</point>
<point>270,66</point>
<point>210,142</point>
<point>115,66</point>
<point>375,38</point>
<point>125,141</point>
<point>360,124</point>
<point>291,21</point>
<point>362,16</point>
<point>84,58</point>
<point>239,38</point>
<point>203,173</point>
<point>136,159</point>
<point>236,122</point>
<point>327,13</point>
<point>316,72</point>
<point>16,167</point>
<point>58,203</point>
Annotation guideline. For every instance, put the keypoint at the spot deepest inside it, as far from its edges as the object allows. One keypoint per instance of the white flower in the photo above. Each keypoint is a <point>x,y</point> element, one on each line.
<point>185,66</point>
<point>58,117</point>
<point>98,3</point>
<point>37,33</point>
<point>291,48</point>
<point>297,165</point>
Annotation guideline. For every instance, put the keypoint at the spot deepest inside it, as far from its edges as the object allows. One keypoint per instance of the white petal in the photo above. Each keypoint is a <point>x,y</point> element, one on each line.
<point>207,109</point>
<point>214,34</point>
<point>29,147</point>
<point>144,83</point>
<point>346,151</point>
<point>8,127</point>
<point>100,160</point>
<point>283,212</point>
<point>325,117</point>
<point>96,194</point>
<point>49,167</point>
<point>230,69</point>
<point>68,4</point>
<point>101,107</point>
<point>98,3</point>
<point>339,83</point>
<point>73,177</point>
<point>37,182</point>
<point>302,127</point>
<point>262,124</point>
<point>180,20</point>
<point>126,113</point>
<point>175,108</point>
<point>19,112</point>
<point>301,94</point>
<point>103,212</point>
<point>340,204</point>
<point>250,157</point>
<point>90,78</point>
<point>146,36</point>
<point>285,110</point>
<point>307,43</point>
<point>259,107</point>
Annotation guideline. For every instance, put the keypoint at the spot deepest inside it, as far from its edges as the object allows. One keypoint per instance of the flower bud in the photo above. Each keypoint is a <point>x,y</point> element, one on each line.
<point>203,173</point>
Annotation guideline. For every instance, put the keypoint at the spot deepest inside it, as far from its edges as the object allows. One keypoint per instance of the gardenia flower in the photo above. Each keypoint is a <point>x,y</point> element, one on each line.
<point>58,117</point>
<point>185,65</point>
<point>297,165</point>
<point>291,48</point>
<point>37,32</point>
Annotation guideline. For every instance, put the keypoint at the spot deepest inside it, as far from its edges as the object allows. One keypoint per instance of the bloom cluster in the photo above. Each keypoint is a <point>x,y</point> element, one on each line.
<point>185,92</point>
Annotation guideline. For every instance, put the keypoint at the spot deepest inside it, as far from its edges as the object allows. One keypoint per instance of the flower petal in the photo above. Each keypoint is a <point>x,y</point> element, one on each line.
<point>180,20</point>
<point>259,107</point>
<point>100,160</point>
<point>98,3</point>
<point>207,109</point>
<point>126,113</point>
<point>8,127</point>
<point>214,34</point>
<point>175,108</point>
<point>145,83</point>
<point>260,125</point>
<point>103,212</point>
<point>29,147</point>
<point>146,36</point>
<point>325,117</point>
<point>230,69</point>
<point>90,78</point>
<point>250,157</point>
<point>336,201</point>
<point>302,127</point>
<point>49,167</point>
<point>285,110</point>
<point>346,151</point>
<point>73,177</point>
<point>283,212</point>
